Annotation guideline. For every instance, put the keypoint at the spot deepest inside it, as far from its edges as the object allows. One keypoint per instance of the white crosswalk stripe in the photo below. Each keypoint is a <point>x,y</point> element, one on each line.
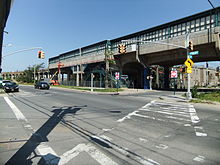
<point>163,111</point>
<point>182,114</point>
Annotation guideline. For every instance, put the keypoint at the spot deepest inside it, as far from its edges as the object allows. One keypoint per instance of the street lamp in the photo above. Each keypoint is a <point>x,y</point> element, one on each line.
<point>23,50</point>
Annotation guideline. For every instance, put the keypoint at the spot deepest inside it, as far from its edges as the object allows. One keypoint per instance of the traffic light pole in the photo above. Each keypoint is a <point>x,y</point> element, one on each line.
<point>23,50</point>
<point>188,94</point>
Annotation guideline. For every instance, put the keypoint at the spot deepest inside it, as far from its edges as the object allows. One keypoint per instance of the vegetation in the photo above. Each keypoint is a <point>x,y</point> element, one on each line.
<point>94,89</point>
<point>205,97</point>
<point>27,76</point>
<point>213,96</point>
<point>194,92</point>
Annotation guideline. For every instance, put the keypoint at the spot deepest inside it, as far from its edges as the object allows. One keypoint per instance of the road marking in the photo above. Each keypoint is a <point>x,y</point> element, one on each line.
<point>195,120</point>
<point>143,140</point>
<point>49,155</point>
<point>16,111</point>
<point>162,146</point>
<point>125,151</point>
<point>107,130</point>
<point>127,117</point>
<point>135,112</point>
<point>169,111</point>
<point>193,115</point>
<point>182,114</point>
<point>176,118</point>
<point>199,158</point>
<point>43,149</point>
<point>106,137</point>
<point>91,150</point>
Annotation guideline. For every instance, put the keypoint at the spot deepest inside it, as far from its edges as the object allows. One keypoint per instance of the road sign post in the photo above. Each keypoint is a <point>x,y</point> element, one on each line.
<point>174,75</point>
<point>92,76</point>
<point>117,77</point>
<point>188,63</point>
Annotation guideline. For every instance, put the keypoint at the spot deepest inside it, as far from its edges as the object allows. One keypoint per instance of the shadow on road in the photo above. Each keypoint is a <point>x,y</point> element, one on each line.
<point>23,155</point>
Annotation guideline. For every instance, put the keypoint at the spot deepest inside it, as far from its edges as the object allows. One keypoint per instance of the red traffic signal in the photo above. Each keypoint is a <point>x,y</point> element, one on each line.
<point>41,54</point>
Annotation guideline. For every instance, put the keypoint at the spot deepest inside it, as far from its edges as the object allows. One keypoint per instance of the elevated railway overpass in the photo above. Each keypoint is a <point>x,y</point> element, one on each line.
<point>204,32</point>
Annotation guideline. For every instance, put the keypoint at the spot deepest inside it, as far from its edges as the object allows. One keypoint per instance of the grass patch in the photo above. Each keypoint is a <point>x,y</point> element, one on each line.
<point>206,97</point>
<point>23,83</point>
<point>89,89</point>
<point>200,101</point>
<point>108,90</point>
<point>212,96</point>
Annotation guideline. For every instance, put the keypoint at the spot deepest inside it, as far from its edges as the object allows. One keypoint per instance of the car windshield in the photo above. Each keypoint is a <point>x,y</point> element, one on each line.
<point>10,84</point>
<point>6,81</point>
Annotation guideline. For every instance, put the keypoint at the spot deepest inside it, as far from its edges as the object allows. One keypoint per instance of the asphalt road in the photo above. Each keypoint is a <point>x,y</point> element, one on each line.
<point>60,126</point>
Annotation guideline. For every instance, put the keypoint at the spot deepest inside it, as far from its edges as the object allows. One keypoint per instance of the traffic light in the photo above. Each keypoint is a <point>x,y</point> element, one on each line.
<point>41,54</point>
<point>121,48</point>
<point>190,45</point>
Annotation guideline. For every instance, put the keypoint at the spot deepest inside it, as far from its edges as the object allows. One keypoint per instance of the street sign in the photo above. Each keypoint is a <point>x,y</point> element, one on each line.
<point>189,70</point>
<point>189,63</point>
<point>194,53</point>
<point>117,75</point>
<point>173,74</point>
<point>124,77</point>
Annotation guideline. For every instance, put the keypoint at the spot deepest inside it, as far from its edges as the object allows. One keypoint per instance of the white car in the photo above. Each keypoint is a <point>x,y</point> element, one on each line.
<point>5,81</point>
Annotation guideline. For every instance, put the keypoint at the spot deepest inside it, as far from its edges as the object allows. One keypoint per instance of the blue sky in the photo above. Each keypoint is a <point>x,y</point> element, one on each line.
<point>59,26</point>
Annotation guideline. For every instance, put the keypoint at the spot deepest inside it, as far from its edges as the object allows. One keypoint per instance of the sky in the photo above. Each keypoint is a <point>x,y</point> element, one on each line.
<point>59,26</point>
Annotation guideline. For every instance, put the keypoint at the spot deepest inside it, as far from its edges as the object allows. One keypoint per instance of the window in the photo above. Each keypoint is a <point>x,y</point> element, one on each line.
<point>197,22</point>
<point>192,26</point>
<point>183,26</point>
<point>202,23</point>
<point>188,26</point>
<point>175,29</point>
<point>208,20</point>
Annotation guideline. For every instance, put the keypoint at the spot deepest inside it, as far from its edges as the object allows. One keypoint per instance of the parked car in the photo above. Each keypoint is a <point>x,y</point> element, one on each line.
<point>11,87</point>
<point>5,81</point>
<point>41,85</point>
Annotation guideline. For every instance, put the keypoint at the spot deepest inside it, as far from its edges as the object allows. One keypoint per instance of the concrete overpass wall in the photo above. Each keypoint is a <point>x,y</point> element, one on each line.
<point>204,27</point>
<point>69,62</point>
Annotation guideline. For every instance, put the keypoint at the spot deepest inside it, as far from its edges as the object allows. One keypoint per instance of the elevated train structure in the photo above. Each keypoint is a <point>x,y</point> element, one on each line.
<point>153,46</point>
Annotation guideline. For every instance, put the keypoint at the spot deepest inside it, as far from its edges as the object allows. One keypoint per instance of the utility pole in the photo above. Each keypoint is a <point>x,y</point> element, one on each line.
<point>188,94</point>
<point>34,72</point>
<point>59,71</point>
<point>81,69</point>
<point>107,54</point>
<point>92,76</point>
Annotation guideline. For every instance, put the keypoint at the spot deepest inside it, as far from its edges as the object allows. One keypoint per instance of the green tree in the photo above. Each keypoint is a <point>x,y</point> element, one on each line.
<point>109,61</point>
<point>28,74</point>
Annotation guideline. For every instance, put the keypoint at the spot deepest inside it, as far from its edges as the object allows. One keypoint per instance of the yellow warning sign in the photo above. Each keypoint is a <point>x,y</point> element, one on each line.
<point>188,70</point>
<point>189,63</point>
